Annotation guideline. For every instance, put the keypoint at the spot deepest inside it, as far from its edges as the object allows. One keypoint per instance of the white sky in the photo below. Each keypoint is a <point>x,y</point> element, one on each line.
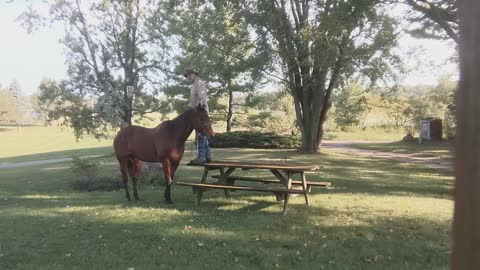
<point>29,58</point>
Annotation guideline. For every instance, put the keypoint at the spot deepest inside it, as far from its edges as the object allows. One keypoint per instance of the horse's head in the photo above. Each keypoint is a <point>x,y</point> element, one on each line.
<point>201,122</point>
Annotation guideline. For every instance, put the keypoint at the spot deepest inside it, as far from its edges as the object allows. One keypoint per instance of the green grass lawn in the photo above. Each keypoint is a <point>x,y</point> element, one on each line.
<point>365,135</point>
<point>380,215</point>
<point>441,150</point>
<point>38,142</point>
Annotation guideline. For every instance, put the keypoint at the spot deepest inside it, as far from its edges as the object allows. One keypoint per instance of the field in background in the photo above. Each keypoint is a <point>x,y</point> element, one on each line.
<point>365,135</point>
<point>39,142</point>
<point>380,215</point>
<point>439,150</point>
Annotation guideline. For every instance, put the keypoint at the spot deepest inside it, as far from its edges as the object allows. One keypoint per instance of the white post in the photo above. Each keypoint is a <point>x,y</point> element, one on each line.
<point>130,91</point>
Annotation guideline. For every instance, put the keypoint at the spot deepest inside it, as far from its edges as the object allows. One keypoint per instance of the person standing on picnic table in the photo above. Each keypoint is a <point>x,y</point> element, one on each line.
<point>198,95</point>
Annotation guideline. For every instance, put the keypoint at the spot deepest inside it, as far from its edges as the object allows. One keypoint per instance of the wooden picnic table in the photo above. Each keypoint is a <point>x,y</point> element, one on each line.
<point>283,172</point>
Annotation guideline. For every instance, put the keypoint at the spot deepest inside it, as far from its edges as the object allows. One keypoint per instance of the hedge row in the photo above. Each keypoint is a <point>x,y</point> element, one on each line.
<point>249,139</point>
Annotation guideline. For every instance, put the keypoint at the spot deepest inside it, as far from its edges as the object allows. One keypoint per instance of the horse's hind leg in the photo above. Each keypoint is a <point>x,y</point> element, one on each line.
<point>124,171</point>
<point>133,167</point>
<point>167,171</point>
<point>137,166</point>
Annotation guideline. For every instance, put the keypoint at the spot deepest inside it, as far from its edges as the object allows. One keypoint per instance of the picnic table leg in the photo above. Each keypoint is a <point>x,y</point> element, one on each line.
<point>287,182</point>
<point>204,179</point>
<point>285,204</point>
<point>223,180</point>
<point>305,187</point>
<point>220,180</point>
<point>287,195</point>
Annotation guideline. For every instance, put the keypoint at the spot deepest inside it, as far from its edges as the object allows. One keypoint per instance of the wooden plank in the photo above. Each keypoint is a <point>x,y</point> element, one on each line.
<point>245,188</point>
<point>248,165</point>
<point>268,181</point>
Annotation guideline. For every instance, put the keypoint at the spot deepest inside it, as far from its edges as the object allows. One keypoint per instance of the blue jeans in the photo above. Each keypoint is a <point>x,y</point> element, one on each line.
<point>203,147</point>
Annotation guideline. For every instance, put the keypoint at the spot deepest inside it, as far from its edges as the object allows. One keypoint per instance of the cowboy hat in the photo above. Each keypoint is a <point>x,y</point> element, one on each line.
<point>190,70</point>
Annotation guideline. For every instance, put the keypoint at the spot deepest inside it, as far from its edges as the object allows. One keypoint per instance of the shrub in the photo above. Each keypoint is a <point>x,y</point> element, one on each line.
<point>249,139</point>
<point>152,175</point>
<point>104,183</point>
<point>85,167</point>
<point>87,178</point>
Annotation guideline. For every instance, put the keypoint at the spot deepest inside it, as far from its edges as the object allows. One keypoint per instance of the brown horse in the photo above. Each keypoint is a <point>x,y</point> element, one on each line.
<point>165,143</point>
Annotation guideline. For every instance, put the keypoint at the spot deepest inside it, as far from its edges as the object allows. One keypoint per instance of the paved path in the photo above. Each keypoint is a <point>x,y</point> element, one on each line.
<point>429,162</point>
<point>39,162</point>
<point>344,146</point>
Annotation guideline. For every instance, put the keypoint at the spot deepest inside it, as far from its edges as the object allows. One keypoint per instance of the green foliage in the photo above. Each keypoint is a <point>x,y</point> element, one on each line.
<point>322,44</point>
<point>102,183</point>
<point>105,56</point>
<point>272,112</point>
<point>152,175</point>
<point>350,106</point>
<point>249,139</point>
<point>215,40</point>
<point>402,112</point>
<point>15,107</point>
<point>437,103</point>
<point>8,108</point>
<point>86,168</point>
<point>400,109</point>
<point>435,19</point>
<point>87,178</point>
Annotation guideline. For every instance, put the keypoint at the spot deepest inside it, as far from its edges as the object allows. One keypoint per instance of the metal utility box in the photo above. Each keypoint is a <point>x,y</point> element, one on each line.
<point>430,129</point>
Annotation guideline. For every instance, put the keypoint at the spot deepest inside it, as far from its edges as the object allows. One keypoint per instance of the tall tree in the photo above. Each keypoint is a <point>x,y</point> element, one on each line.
<point>110,48</point>
<point>8,106</point>
<point>217,41</point>
<point>466,224</point>
<point>434,18</point>
<point>351,106</point>
<point>320,44</point>
<point>14,106</point>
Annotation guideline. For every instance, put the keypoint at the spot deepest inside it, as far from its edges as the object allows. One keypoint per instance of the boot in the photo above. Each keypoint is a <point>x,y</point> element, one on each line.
<point>197,161</point>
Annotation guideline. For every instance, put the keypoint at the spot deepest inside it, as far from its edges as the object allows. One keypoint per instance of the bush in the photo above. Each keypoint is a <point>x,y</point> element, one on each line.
<point>85,167</point>
<point>87,178</point>
<point>84,183</point>
<point>248,139</point>
<point>152,175</point>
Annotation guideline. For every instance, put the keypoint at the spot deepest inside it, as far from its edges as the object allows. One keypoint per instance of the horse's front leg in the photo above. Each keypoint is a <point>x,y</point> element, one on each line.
<point>167,171</point>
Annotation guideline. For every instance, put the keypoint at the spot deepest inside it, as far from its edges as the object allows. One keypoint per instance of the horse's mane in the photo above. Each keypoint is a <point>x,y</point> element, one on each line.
<point>177,120</point>
<point>173,123</point>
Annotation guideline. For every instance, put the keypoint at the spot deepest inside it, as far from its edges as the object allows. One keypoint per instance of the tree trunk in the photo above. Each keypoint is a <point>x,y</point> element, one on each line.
<point>466,224</point>
<point>127,114</point>
<point>311,135</point>
<point>230,109</point>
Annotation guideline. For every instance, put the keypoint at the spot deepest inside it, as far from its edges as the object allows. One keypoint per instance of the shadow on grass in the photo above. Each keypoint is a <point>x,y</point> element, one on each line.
<point>426,149</point>
<point>211,237</point>
<point>107,150</point>
<point>45,225</point>
<point>347,173</point>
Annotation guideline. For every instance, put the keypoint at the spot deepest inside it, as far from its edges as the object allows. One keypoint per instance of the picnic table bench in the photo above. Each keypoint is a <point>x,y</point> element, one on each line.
<point>283,172</point>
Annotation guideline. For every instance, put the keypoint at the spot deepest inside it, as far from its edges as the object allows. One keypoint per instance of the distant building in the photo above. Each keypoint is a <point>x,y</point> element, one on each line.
<point>430,129</point>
